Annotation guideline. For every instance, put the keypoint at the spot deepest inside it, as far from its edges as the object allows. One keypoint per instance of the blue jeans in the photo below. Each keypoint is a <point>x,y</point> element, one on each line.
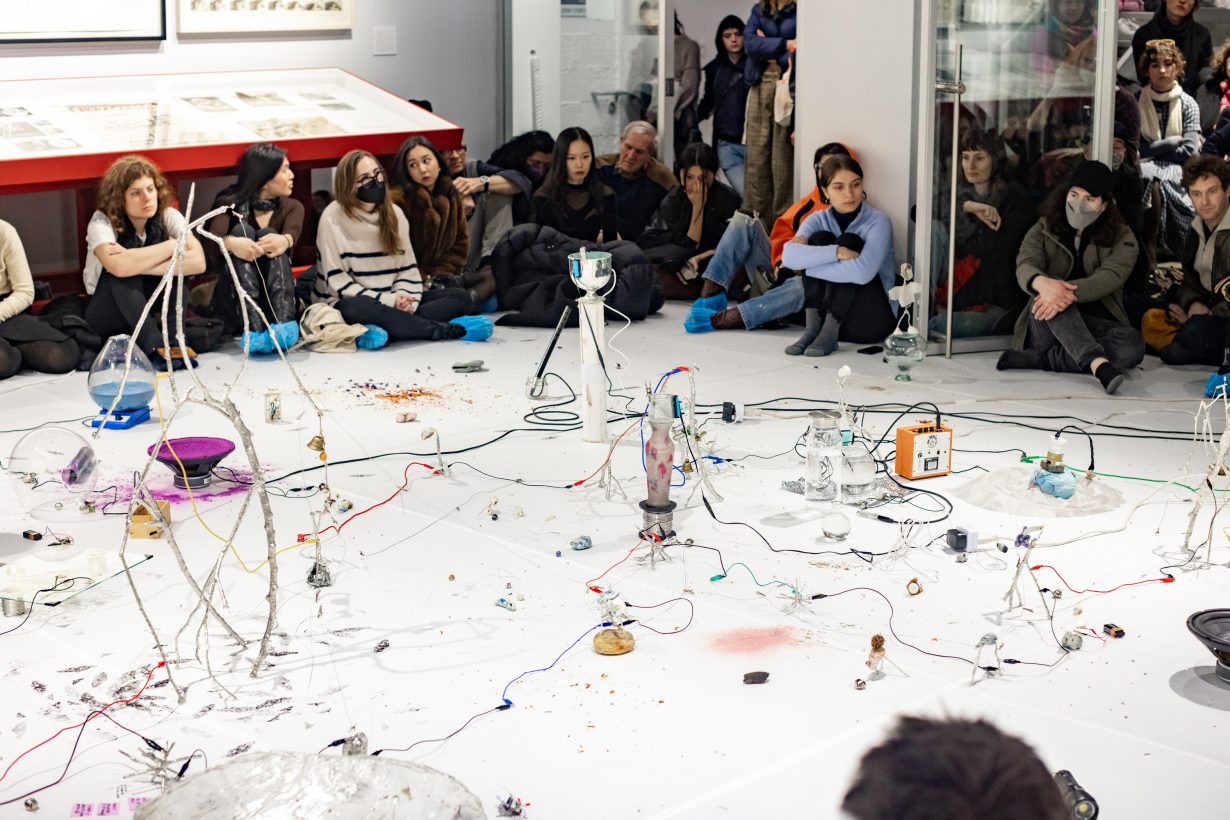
<point>732,156</point>
<point>745,244</point>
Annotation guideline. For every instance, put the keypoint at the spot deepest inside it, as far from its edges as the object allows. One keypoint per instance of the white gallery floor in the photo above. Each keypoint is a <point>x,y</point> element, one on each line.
<point>408,642</point>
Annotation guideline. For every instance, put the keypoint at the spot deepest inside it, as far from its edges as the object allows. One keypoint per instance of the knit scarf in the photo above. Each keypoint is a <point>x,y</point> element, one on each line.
<point>1150,128</point>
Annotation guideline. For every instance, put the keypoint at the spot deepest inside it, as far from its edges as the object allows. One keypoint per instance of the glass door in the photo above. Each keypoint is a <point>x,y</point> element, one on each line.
<point>593,64</point>
<point>1016,94</point>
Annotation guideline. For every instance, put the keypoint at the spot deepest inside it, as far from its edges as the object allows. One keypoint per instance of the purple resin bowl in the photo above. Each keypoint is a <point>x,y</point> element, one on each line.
<point>199,455</point>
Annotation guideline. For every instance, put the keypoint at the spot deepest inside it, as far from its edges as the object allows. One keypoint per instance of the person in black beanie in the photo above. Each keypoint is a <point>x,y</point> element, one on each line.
<point>1176,21</point>
<point>1073,265</point>
<point>726,99</point>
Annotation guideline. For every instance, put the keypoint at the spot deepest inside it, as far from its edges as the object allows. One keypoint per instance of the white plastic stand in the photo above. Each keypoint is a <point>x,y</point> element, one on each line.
<point>593,379</point>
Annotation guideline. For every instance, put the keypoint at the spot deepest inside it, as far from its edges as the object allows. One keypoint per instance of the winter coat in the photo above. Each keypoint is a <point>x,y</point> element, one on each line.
<point>777,28</point>
<point>1192,289</point>
<point>531,276</point>
<point>438,229</point>
<point>725,97</point>
<point>994,281</point>
<point>667,241</point>
<point>1107,267</point>
<point>1192,39</point>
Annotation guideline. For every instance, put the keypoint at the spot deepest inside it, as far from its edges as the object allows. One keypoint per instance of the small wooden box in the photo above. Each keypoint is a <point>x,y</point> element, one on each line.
<point>145,524</point>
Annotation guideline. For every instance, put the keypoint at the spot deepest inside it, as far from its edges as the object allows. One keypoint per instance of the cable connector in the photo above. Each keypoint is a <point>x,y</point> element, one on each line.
<point>717,577</point>
<point>505,706</point>
<point>153,745</point>
<point>819,595</point>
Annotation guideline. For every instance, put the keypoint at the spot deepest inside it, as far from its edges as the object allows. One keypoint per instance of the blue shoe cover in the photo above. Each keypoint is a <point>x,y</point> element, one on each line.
<point>1217,385</point>
<point>258,341</point>
<point>716,302</point>
<point>699,320</point>
<point>375,338</point>
<point>478,328</point>
<point>286,334</point>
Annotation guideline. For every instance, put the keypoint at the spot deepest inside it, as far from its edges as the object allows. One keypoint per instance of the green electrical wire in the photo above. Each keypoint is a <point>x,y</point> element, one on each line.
<point>754,578</point>
<point>1032,459</point>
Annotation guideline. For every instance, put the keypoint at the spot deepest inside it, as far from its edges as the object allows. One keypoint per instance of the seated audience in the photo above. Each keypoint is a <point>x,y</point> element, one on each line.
<point>1197,321</point>
<point>367,265</point>
<point>572,199</point>
<point>1170,133</point>
<point>952,769</point>
<point>745,252</point>
<point>725,99</point>
<point>1073,265</point>
<point>528,154</point>
<point>439,232</point>
<point>993,215</point>
<point>1175,21</point>
<point>490,196</point>
<point>637,178</point>
<point>131,239</point>
<point>260,234</point>
<point>24,340</point>
<point>844,255</point>
<point>1213,95</point>
<point>690,222</point>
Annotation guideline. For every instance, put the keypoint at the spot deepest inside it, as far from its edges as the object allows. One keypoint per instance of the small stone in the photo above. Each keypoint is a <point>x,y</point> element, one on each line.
<point>520,596</point>
<point>380,647</point>
<point>31,804</point>
<point>614,641</point>
<point>756,677</point>
<point>860,684</point>
<point>582,542</point>
<point>558,554</point>
<point>405,416</point>
<point>318,576</point>
<point>452,577</point>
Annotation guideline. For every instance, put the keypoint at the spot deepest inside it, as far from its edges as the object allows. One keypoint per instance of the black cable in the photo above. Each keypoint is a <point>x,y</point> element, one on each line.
<point>1083,433</point>
<point>520,481</point>
<point>691,615</point>
<point>501,708</point>
<point>54,588</point>
<point>891,613</point>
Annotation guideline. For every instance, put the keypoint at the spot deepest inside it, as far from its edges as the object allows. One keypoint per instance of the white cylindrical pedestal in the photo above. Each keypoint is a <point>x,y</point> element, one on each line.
<point>593,379</point>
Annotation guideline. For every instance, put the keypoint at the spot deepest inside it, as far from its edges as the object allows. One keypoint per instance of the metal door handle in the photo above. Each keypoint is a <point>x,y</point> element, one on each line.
<point>950,86</point>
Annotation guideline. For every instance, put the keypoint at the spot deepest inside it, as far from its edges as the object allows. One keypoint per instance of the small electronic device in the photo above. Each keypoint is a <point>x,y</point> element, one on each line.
<point>960,539</point>
<point>1079,801</point>
<point>32,535</point>
<point>732,412</point>
<point>924,450</point>
<point>1113,631</point>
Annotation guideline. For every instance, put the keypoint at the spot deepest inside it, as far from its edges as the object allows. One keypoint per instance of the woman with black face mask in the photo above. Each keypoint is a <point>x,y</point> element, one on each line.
<point>1073,264</point>
<point>368,271</point>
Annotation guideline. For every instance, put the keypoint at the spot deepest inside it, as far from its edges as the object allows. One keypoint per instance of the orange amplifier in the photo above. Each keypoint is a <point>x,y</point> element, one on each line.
<point>924,450</point>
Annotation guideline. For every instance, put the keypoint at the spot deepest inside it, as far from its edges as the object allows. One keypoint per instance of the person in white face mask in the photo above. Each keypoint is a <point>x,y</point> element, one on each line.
<point>1073,264</point>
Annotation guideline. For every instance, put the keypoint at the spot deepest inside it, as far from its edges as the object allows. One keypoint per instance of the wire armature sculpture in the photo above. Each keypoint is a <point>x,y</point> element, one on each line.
<point>173,281</point>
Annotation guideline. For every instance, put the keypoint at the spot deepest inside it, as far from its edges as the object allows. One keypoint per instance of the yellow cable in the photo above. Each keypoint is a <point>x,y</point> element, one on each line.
<point>192,498</point>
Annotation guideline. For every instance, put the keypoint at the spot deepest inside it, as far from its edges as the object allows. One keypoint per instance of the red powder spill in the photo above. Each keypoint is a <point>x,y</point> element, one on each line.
<point>752,639</point>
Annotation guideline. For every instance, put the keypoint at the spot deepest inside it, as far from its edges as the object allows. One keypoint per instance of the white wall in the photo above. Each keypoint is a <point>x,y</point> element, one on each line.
<point>449,53</point>
<point>858,88</point>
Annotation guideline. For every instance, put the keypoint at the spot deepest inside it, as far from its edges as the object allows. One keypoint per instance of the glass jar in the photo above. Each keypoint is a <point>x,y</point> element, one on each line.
<point>659,450</point>
<point>108,370</point>
<point>858,470</point>
<point>823,477</point>
<point>904,349</point>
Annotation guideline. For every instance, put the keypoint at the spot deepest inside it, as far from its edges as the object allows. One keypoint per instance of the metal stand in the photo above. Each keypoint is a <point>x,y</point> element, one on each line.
<point>658,523</point>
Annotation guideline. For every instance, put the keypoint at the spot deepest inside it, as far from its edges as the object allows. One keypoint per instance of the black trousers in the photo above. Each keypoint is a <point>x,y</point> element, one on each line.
<point>427,323</point>
<point>1205,338</point>
<point>116,306</point>
<point>1073,340</point>
<point>267,281</point>
<point>863,310</point>
<point>27,342</point>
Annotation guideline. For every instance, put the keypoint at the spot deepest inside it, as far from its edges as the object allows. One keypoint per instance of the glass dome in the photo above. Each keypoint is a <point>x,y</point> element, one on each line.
<point>52,472</point>
<point>108,370</point>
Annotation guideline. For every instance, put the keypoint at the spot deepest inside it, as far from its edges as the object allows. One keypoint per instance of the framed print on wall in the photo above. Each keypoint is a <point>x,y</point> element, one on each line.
<point>243,16</point>
<point>69,21</point>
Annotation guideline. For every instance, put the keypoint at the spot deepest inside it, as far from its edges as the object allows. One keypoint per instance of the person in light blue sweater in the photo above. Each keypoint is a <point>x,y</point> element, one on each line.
<point>846,265</point>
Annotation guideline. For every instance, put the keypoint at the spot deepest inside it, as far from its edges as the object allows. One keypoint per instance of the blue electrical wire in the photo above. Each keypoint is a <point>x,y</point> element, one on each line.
<point>504,694</point>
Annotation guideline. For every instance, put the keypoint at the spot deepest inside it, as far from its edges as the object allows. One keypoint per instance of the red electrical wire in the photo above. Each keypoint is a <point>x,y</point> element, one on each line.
<point>608,455</point>
<point>1166,580</point>
<point>96,713</point>
<point>590,583</point>
<point>404,483</point>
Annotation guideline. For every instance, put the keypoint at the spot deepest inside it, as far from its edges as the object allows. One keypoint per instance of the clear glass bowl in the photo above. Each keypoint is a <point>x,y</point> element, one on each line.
<point>858,470</point>
<point>108,370</point>
<point>905,349</point>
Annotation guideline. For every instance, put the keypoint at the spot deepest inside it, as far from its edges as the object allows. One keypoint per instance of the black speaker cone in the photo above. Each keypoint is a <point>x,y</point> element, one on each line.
<point>1212,628</point>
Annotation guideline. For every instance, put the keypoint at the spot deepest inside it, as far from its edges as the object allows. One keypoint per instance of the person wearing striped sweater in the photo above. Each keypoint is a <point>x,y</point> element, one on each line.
<point>367,268</point>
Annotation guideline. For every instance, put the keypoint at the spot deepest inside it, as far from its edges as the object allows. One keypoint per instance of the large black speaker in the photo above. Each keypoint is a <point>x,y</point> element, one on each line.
<point>1212,628</point>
